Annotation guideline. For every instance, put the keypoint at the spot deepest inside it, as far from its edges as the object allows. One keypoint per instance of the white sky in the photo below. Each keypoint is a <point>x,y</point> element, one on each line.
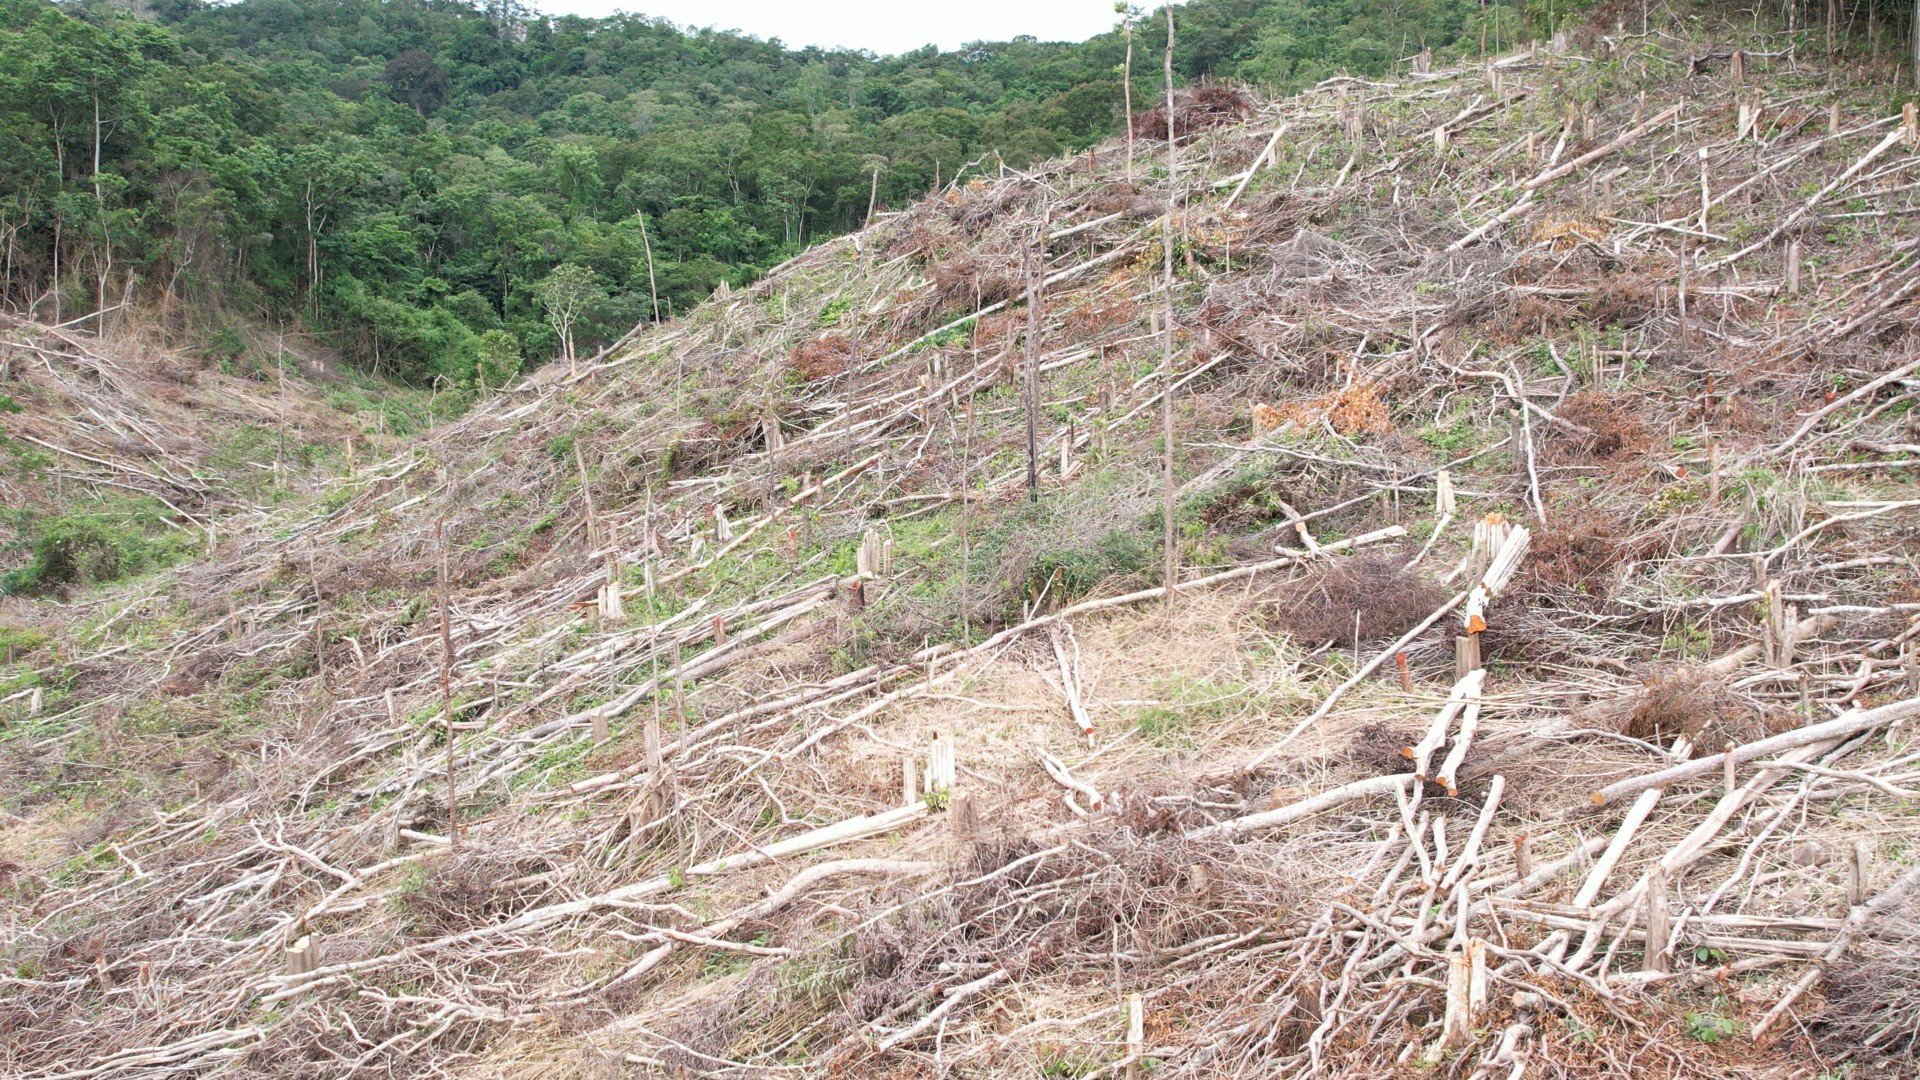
<point>893,26</point>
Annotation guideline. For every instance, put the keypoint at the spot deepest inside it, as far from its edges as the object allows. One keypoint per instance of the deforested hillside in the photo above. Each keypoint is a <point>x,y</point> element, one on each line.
<point>119,455</point>
<point>794,689</point>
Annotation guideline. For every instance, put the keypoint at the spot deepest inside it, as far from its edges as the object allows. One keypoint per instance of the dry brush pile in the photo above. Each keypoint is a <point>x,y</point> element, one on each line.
<point>733,707</point>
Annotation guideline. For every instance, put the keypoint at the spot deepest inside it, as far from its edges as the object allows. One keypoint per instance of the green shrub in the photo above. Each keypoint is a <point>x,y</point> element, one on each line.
<point>1711,1027</point>
<point>496,359</point>
<point>18,641</point>
<point>93,548</point>
<point>1075,570</point>
<point>1106,532</point>
<point>225,347</point>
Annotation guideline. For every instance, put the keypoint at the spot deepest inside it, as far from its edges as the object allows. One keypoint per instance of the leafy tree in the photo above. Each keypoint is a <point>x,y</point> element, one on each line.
<point>496,360</point>
<point>569,292</point>
<point>414,78</point>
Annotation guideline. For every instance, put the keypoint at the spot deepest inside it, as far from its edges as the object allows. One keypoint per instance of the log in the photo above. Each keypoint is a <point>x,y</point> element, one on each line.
<point>1853,723</point>
<point>1470,854</point>
<point>1636,816</point>
<point>1449,772</point>
<point>1464,691</point>
<point>1326,800</point>
<point>1069,687</point>
<point>1555,173</point>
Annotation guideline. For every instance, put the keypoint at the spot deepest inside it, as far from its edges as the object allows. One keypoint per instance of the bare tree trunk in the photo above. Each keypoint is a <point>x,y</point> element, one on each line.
<point>1030,393</point>
<point>60,179</point>
<point>313,255</point>
<point>653,289</point>
<point>106,234</point>
<point>280,388</point>
<point>1126,92</point>
<point>446,688</point>
<point>966,502</point>
<point>57,222</point>
<point>1170,572</point>
<point>6,263</point>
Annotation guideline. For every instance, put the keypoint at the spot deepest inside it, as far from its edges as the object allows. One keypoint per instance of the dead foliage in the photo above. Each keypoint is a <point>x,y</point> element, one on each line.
<point>987,206</point>
<point>1273,217</point>
<point>1121,197</point>
<point>473,886</point>
<point>920,234</point>
<point>1627,299</point>
<point>1591,541</point>
<point>1872,1011</point>
<point>1566,232</point>
<point>1095,320</point>
<point>1700,704</point>
<point>998,330</point>
<point>717,440</point>
<point>1608,430</point>
<point>1371,597</point>
<point>1195,109</point>
<point>1375,750</point>
<point>975,280</point>
<point>822,358</point>
<point>1354,409</point>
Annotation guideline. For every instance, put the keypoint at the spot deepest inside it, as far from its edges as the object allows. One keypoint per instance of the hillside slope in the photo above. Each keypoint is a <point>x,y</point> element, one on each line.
<point>1472,327</point>
<point>121,454</point>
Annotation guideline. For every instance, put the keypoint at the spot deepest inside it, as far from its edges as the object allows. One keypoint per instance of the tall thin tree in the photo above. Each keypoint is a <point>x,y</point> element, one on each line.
<point>1171,569</point>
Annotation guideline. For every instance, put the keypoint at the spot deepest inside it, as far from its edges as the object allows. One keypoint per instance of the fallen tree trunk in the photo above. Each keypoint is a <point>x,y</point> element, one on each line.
<point>1326,800</point>
<point>1838,728</point>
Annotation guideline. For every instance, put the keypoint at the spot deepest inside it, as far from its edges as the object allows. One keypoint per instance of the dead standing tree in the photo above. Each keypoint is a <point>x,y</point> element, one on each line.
<point>1171,568</point>
<point>446,688</point>
<point>1128,15</point>
<point>1030,386</point>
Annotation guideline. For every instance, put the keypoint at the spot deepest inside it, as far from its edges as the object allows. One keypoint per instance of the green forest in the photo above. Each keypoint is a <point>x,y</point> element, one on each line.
<point>421,184</point>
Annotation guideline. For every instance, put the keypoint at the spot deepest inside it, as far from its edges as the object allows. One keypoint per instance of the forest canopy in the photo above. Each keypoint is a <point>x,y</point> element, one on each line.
<point>402,175</point>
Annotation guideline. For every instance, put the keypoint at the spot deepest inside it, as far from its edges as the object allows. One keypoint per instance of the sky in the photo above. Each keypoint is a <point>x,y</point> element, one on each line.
<point>893,26</point>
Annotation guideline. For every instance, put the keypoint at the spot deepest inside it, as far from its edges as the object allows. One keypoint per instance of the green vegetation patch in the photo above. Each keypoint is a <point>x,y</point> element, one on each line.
<point>118,538</point>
